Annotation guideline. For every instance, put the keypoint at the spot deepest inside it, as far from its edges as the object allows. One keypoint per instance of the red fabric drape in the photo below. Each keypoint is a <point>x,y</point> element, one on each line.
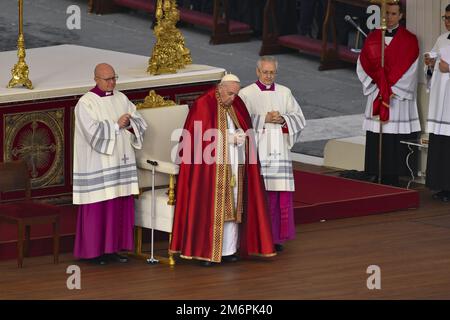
<point>401,53</point>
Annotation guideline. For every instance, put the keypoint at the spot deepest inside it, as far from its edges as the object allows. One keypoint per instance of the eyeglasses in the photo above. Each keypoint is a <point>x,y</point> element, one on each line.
<point>110,79</point>
<point>445,18</point>
<point>268,73</point>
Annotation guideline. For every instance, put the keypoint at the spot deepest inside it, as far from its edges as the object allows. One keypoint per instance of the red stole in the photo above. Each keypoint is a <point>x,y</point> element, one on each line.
<point>198,227</point>
<point>399,55</point>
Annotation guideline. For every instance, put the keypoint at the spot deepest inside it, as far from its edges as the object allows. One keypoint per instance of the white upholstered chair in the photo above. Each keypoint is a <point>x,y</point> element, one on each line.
<point>159,141</point>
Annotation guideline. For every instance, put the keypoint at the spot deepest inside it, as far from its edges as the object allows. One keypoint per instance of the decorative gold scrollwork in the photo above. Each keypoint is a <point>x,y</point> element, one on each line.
<point>154,100</point>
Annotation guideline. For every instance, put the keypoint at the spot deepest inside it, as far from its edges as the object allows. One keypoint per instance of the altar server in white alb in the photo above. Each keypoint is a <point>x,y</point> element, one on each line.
<point>438,123</point>
<point>107,130</point>
<point>278,121</point>
<point>391,96</point>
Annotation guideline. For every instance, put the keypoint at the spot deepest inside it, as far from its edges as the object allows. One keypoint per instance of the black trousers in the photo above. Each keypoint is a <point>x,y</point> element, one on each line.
<point>438,163</point>
<point>393,161</point>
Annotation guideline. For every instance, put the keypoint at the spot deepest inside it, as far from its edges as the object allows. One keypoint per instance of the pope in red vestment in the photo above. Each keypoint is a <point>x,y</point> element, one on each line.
<point>204,188</point>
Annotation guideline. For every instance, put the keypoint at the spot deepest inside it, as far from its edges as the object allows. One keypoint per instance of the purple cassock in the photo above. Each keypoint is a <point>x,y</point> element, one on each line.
<point>104,227</point>
<point>103,186</point>
<point>282,215</point>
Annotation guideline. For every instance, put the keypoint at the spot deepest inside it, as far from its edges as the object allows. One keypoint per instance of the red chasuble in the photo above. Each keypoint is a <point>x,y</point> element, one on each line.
<point>400,54</point>
<point>200,205</point>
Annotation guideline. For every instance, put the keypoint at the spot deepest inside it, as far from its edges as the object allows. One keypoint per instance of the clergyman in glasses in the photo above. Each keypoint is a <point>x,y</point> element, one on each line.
<point>107,130</point>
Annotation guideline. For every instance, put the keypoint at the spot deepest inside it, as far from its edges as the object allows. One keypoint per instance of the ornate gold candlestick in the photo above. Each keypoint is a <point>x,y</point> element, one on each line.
<point>20,70</point>
<point>169,53</point>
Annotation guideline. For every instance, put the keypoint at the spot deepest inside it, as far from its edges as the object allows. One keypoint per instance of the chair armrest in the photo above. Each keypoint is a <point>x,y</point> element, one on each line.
<point>163,166</point>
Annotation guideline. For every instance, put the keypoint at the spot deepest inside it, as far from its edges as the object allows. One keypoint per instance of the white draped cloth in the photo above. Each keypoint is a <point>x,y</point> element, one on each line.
<point>104,164</point>
<point>403,114</point>
<point>231,228</point>
<point>274,146</point>
<point>438,121</point>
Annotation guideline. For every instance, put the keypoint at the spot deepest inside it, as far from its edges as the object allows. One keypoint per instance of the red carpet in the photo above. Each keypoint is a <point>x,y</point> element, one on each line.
<point>317,197</point>
<point>323,197</point>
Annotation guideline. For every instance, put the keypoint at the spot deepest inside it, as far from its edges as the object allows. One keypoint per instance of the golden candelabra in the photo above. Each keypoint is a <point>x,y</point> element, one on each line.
<point>20,70</point>
<point>169,53</point>
<point>383,4</point>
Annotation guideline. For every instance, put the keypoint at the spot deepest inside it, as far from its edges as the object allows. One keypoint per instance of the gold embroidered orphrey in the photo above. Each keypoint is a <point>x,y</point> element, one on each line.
<point>224,209</point>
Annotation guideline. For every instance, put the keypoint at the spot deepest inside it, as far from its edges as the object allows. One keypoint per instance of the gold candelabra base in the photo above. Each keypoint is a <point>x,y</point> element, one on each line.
<point>20,75</point>
<point>20,70</point>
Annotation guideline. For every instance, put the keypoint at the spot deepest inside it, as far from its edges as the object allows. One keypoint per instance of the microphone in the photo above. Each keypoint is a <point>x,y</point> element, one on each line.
<point>349,19</point>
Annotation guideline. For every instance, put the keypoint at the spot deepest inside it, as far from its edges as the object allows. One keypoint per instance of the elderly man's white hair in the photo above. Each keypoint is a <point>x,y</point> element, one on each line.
<point>267,59</point>
<point>230,78</point>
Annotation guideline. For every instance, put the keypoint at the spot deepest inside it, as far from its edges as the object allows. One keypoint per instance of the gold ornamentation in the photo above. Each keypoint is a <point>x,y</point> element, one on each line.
<point>221,195</point>
<point>171,258</point>
<point>170,53</point>
<point>154,100</point>
<point>38,138</point>
<point>171,201</point>
<point>383,25</point>
<point>383,4</point>
<point>20,70</point>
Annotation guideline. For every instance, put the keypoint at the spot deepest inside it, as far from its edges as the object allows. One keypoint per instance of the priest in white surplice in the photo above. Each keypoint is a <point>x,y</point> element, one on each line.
<point>107,130</point>
<point>438,122</point>
<point>391,96</point>
<point>278,121</point>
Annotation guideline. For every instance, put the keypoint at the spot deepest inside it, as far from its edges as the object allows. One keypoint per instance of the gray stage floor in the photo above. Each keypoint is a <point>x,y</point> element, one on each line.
<point>332,101</point>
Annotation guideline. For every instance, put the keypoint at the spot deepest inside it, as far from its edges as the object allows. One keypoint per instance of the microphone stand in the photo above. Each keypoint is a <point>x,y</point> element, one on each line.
<point>152,259</point>
<point>349,19</point>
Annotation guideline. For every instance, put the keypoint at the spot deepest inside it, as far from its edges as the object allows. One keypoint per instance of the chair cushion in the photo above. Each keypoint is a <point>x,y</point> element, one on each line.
<point>28,209</point>
<point>164,212</point>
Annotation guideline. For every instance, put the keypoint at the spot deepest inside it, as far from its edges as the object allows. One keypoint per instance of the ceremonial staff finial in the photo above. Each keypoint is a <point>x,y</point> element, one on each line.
<point>383,4</point>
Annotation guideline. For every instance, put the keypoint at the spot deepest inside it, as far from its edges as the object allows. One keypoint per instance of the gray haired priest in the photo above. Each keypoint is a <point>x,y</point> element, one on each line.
<point>278,121</point>
<point>107,130</point>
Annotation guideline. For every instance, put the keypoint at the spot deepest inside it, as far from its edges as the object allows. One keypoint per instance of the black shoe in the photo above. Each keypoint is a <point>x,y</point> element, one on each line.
<point>278,247</point>
<point>99,260</point>
<point>118,258</point>
<point>231,258</point>
<point>438,195</point>
<point>205,263</point>
<point>445,196</point>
